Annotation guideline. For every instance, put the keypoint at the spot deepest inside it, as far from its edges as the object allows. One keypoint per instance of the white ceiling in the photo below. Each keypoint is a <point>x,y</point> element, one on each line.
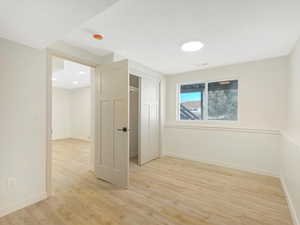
<point>38,23</point>
<point>233,31</point>
<point>65,73</point>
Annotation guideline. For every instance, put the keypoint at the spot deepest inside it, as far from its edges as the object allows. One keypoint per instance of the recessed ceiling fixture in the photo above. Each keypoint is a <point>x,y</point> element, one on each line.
<point>54,79</point>
<point>192,46</point>
<point>81,72</point>
<point>75,82</point>
<point>98,36</point>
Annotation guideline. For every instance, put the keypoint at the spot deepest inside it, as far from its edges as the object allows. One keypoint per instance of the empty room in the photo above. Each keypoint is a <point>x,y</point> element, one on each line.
<point>130,112</point>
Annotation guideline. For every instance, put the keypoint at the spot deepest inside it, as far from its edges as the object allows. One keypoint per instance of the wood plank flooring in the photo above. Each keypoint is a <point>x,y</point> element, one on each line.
<point>167,191</point>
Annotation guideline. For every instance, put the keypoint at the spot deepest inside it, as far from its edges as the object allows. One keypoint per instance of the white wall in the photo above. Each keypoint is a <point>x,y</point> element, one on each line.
<point>252,143</point>
<point>290,144</point>
<point>65,50</point>
<point>80,113</point>
<point>23,101</point>
<point>61,113</point>
<point>71,113</point>
<point>24,127</point>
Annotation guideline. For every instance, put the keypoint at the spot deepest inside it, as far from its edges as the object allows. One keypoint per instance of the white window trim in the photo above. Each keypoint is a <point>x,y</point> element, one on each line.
<point>205,103</point>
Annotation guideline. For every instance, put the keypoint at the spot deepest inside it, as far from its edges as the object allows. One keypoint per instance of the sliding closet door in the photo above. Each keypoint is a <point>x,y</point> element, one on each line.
<point>149,120</point>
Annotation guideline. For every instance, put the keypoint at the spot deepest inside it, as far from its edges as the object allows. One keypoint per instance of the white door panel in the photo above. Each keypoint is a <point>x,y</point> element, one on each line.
<point>149,147</point>
<point>112,144</point>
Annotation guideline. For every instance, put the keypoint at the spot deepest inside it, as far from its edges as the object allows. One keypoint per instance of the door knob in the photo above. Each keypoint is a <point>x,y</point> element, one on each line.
<point>124,129</point>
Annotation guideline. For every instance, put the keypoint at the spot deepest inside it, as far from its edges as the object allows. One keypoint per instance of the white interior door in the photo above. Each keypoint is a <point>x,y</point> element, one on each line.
<point>149,120</point>
<point>112,121</point>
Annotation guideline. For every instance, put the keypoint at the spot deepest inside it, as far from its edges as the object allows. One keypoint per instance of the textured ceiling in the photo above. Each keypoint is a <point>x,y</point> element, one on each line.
<point>233,31</point>
<point>40,23</point>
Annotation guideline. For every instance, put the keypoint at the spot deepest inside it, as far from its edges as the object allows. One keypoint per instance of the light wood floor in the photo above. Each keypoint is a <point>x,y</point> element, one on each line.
<point>167,191</point>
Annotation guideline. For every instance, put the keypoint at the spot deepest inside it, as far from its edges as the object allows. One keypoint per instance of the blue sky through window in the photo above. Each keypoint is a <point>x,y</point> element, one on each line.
<point>192,96</point>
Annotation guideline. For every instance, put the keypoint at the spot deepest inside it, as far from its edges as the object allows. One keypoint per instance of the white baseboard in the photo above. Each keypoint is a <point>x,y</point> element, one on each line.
<point>290,202</point>
<point>22,204</point>
<point>223,164</point>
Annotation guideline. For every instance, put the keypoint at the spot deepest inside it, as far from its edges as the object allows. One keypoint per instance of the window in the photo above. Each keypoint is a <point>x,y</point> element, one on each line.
<point>222,100</point>
<point>191,101</point>
<point>209,101</point>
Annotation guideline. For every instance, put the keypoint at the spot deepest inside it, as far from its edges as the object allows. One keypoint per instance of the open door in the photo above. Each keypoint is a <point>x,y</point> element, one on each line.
<point>112,121</point>
<point>149,120</point>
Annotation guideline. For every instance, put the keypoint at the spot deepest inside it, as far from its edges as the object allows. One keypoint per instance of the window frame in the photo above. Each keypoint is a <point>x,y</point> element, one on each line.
<point>205,102</point>
<point>178,102</point>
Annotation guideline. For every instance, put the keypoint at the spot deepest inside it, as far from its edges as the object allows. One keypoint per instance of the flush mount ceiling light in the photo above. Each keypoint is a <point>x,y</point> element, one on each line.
<point>75,82</point>
<point>192,46</point>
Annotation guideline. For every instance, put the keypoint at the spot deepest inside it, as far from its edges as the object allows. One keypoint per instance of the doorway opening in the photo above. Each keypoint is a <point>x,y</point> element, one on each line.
<point>134,118</point>
<point>104,153</point>
<point>71,139</point>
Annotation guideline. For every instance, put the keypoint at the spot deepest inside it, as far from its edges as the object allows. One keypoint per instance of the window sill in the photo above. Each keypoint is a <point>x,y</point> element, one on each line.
<point>208,122</point>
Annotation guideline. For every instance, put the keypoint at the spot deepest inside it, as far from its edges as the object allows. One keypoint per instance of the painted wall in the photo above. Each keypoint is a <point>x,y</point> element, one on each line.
<point>71,113</point>
<point>23,102</point>
<point>252,143</point>
<point>23,130</point>
<point>63,49</point>
<point>290,144</point>
<point>80,113</point>
<point>61,113</point>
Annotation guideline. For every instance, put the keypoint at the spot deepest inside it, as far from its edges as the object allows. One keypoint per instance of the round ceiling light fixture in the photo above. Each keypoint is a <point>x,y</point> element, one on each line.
<point>98,36</point>
<point>192,46</point>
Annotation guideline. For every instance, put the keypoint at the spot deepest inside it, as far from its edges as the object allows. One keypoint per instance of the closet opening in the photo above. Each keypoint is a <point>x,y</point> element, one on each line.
<point>134,114</point>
